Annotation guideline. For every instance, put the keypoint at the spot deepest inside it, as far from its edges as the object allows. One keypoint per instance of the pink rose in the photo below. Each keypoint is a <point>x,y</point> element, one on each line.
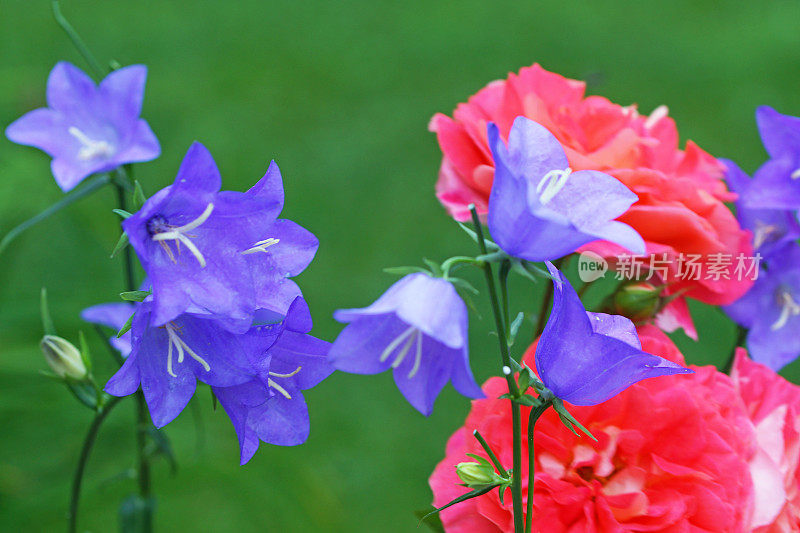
<point>773,405</point>
<point>673,454</point>
<point>681,192</point>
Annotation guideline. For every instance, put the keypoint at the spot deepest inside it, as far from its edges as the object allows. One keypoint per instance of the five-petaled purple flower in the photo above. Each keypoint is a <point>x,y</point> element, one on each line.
<point>223,254</point>
<point>772,228</point>
<point>776,185</point>
<point>168,360</point>
<point>771,310</point>
<point>114,316</point>
<point>89,128</point>
<point>540,210</point>
<point>586,358</point>
<point>418,327</point>
<point>271,407</point>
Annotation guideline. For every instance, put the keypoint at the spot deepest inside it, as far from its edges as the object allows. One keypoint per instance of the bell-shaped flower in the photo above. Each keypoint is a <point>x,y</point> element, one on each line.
<point>418,327</point>
<point>771,228</point>
<point>539,209</point>
<point>771,310</point>
<point>88,128</point>
<point>271,407</point>
<point>114,316</point>
<point>168,360</point>
<point>222,254</point>
<point>586,358</point>
<point>776,185</point>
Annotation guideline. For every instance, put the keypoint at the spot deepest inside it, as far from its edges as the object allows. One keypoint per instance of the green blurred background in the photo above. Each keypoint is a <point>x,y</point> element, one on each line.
<point>339,93</point>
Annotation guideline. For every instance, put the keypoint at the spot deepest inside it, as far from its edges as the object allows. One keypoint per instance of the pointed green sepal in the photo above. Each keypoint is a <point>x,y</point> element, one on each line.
<point>568,420</point>
<point>134,296</point>
<point>139,197</point>
<point>126,327</point>
<point>490,245</point>
<point>121,243</point>
<point>462,498</point>
<point>464,284</point>
<point>122,213</point>
<point>404,270</point>
<point>47,320</point>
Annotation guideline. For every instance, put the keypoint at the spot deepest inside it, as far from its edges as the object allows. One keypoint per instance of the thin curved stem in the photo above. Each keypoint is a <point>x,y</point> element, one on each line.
<point>86,449</point>
<point>83,50</point>
<point>536,412</point>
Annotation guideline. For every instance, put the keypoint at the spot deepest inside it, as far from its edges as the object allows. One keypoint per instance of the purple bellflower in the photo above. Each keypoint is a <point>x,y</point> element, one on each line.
<point>540,210</point>
<point>114,316</point>
<point>771,310</point>
<point>586,358</point>
<point>776,184</point>
<point>271,407</point>
<point>89,128</point>
<point>418,327</point>
<point>772,228</point>
<point>168,360</point>
<point>222,254</point>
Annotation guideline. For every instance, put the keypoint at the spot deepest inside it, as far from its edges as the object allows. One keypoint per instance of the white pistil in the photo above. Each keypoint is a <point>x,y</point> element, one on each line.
<point>657,114</point>
<point>261,246</point>
<point>175,340</point>
<point>90,148</point>
<point>552,183</point>
<point>277,387</point>
<point>395,343</point>
<point>762,233</point>
<point>789,308</point>
<point>179,234</point>
<point>796,174</point>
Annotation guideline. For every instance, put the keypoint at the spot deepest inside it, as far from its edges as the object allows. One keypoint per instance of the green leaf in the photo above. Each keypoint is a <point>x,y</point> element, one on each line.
<point>464,284</point>
<point>139,197</point>
<point>481,460</point>
<point>490,245</point>
<point>464,497</point>
<point>122,213</point>
<point>404,270</point>
<point>515,366</point>
<point>126,327</point>
<point>47,320</point>
<point>136,514</point>
<point>121,243</point>
<point>434,523</point>
<point>517,267</point>
<point>513,329</point>
<point>84,392</point>
<point>134,296</point>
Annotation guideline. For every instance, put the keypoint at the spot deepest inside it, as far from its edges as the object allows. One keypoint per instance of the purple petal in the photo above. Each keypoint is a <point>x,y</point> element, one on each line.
<point>358,347</point>
<point>616,326</point>
<point>462,378</point>
<point>533,150</point>
<point>70,172</point>
<point>433,372</point>
<point>773,187</point>
<point>112,315</point>
<point>144,145</point>
<point>779,133</point>
<point>122,92</point>
<point>69,89</point>
<point>43,128</point>
<point>126,380</point>
<point>270,188</point>
<point>281,421</point>
<point>237,402</point>
<point>294,351</point>
<point>198,173</point>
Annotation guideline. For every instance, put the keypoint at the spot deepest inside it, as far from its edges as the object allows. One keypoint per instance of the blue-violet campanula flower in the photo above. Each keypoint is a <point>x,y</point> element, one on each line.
<point>114,316</point>
<point>771,310</point>
<point>540,210</point>
<point>223,254</point>
<point>418,327</point>
<point>88,128</point>
<point>777,182</point>
<point>271,407</point>
<point>586,358</point>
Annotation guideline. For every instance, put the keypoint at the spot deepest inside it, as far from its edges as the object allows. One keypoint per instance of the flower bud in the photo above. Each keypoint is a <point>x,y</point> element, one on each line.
<point>477,476</point>
<point>637,301</point>
<point>64,358</point>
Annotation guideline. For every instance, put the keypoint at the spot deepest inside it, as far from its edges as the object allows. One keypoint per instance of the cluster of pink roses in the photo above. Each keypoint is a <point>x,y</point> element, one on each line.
<point>707,452</point>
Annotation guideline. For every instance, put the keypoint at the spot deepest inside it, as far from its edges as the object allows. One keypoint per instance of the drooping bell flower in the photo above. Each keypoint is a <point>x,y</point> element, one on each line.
<point>776,184</point>
<point>114,316</point>
<point>271,407</point>
<point>771,228</point>
<point>88,128</point>
<point>539,209</point>
<point>771,310</point>
<point>168,360</point>
<point>223,254</point>
<point>418,327</point>
<point>586,358</point>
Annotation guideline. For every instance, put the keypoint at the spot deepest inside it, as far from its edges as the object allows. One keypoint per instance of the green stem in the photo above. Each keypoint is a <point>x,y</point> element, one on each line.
<point>86,449</point>
<point>540,322</point>
<point>485,445</point>
<point>76,40</point>
<point>516,486</point>
<point>69,198</point>
<point>458,260</point>
<point>534,416</point>
<point>741,336</point>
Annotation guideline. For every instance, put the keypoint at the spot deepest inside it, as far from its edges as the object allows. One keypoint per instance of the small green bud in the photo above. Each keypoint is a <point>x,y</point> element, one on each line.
<point>637,301</point>
<point>478,476</point>
<point>64,358</point>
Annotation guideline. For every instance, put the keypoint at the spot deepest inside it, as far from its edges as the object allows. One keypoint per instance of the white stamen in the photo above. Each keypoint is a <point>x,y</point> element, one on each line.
<point>657,114</point>
<point>402,355</point>
<point>286,375</point>
<point>395,343</point>
<point>175,340</point>
<point>279,389</point>
<point>789,308</point>
<point>552,183</point>
<point>261,246</point>
<point>90,148</point>
<point>796,174</point>
<point>418,357</point>
<point>179,234</point>
<point>762,233</point>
